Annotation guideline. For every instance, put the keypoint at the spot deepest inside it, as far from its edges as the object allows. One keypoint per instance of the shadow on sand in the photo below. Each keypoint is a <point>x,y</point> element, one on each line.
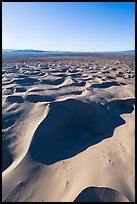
<point>105,84</point>
<point>100,194</point>
<point>7,158</point>
<point>72,126</point>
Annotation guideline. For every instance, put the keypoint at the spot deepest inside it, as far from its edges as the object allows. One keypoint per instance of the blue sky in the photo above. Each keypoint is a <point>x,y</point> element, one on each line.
<point>68,26</point>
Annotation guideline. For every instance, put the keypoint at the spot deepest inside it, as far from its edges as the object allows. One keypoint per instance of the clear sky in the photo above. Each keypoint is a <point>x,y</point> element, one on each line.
<point>68,26</point>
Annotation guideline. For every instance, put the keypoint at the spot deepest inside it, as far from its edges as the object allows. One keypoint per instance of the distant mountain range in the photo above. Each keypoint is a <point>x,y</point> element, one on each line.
<point>21,51</point>
<point>31,51</point>
<point>129,51</point>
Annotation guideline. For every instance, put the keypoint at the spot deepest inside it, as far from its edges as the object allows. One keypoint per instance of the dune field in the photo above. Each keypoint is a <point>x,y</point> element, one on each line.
<point>68,129</point>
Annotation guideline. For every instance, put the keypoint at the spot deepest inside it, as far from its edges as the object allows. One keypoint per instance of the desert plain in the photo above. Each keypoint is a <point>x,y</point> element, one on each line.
<point>68,128</point>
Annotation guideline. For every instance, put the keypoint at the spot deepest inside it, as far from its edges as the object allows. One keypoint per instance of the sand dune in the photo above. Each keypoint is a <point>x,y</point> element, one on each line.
<point>77,126</point>
<point>68,130</point>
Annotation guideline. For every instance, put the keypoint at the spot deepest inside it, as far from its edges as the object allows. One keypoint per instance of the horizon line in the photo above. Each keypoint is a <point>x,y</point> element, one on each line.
<point>67,50</point>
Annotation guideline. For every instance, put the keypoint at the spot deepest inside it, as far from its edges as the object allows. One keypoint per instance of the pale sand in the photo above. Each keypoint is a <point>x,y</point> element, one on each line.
<point>69,130</point>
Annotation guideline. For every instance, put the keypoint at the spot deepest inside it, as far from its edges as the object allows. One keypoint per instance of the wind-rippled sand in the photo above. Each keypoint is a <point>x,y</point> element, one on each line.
<point>68,129</point>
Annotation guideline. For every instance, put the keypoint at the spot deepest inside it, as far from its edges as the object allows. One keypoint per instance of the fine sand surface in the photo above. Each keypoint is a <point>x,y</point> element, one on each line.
<point>68,129</point>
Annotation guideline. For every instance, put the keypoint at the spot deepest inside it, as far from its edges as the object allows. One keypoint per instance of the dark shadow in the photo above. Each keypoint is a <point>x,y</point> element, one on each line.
<point>100,194</point>
<point>35,98</point>
<point>122,83</point>
<point>63,70</point>
<point>9,120</point>
<point>15,99</point>
<point>108,77</point>
<point>75,75</point>
<point>70,127</point>
<point>10,88</point>
<point>73,71</point>
<point>114,69</point>
<point>77,84</point>
<point>106,72</point>
<point>71,93</point>
<point>48,98</point>
<point>105,84</point>
<point>20,89</point>
<point>7,158</point>
<point>53,82</point>
<point>122,106</point>
<point>25,81</point>
<point>60,75</point>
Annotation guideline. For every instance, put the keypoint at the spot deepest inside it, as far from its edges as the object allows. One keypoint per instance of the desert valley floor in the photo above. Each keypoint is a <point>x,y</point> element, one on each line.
<point>68,129</point>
